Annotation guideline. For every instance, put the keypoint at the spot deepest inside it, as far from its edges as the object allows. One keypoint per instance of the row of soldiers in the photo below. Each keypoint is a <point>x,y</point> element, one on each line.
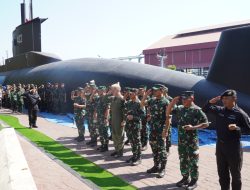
<point>53,97</point>
<point>133,110</point>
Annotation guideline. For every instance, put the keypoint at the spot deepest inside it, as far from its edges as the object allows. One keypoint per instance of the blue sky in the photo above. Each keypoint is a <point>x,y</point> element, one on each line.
<point>114,28</point>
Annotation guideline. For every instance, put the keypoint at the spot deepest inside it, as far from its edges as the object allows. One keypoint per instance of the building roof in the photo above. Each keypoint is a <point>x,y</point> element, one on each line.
<point>196,36</point>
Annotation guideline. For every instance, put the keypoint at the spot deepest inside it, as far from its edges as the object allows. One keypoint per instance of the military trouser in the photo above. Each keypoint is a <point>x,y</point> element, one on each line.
<point>103,131</point>
<point>14,106</point>
<point>79,120</point>
<point>20,107</point>
<point>133,131</point>
<point>229,156</point>
<point>61,106</point>
<point>93,128</point>
<point>158,146</point>
<point>55,107</point>
<point>144,133</point>
<point>189,156</point>
<point>168,140</point>
<point>32,117</point>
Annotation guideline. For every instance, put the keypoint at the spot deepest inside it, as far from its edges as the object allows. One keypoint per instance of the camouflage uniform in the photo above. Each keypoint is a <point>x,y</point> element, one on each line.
<point>102,105</point>
<point>55,95</point>
<point>133,127</point>
<point>188,141</point>
<point>20,101</point>
<point>144,128</point>
<point>13,100</point>
<point>92,125</point>
<point>48,99</point>
<point>62,100</point>
<point>157,109</point>
<point>79,115</point>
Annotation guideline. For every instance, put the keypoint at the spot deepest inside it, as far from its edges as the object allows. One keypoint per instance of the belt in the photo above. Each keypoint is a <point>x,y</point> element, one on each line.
<point>228,141</point>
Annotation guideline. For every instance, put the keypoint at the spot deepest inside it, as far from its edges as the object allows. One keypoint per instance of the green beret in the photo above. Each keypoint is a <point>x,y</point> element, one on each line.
<point>157,87</point>
<point>127,89</point>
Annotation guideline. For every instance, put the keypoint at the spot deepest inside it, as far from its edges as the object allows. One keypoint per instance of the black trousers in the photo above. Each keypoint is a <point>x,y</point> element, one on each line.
<point>229,157</point>
<point>32,116</point>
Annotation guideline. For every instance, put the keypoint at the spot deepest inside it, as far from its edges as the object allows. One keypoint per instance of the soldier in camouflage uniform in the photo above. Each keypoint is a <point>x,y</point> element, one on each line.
<point>55,95</point>
<point>48,97</point>
<point>92,115</point>
<point>20,101</point>
<point>144,130</point>
<point>103,105</point>
<point>132,117</point>
<point>13,98</point>
<point>62,99</point>
<point>157,106</point>
<point>189,118</point>
<point>79,111</point>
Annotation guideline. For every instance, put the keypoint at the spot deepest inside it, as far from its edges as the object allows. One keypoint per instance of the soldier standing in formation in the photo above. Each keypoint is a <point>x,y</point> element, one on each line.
<point>132,118</point>
<point>144,129</point>
<point>79,112</point>
<point>157,117</point>
<point>189,118</point>
<point>102,109</point>
<point>62,99</point>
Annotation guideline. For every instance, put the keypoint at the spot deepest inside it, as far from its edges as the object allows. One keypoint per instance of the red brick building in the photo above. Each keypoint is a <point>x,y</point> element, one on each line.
<point>189,50</point>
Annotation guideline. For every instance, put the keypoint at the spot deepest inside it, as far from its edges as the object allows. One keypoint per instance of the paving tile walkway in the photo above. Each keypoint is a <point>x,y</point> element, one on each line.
<point>136,175</point>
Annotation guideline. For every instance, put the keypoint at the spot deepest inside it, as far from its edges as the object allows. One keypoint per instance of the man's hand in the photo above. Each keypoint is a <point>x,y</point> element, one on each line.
<point>106,122</point>
<point>164,133</point>
<point>148,117</point>
<point>176,99</point>
<point>148,92</point>
<point>123,124</point>
<point>189,127</point>
<point>130,117</point>
<point>214,100</point>
<point>233,127</point>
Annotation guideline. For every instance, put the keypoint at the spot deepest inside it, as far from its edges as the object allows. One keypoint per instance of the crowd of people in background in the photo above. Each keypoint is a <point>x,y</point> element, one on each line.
<point>144,116</point>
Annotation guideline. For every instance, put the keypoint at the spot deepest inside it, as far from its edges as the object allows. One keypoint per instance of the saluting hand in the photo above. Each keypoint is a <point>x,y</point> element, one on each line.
<point>176,99</point>
<point>214,100</point>
<point>188,127</point>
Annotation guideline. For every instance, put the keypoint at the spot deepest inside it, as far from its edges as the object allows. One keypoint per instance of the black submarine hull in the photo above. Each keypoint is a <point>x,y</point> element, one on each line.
<point>77,72</point>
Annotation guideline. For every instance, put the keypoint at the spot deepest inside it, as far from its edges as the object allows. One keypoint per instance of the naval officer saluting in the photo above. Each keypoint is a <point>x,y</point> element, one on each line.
<point>230,121</point>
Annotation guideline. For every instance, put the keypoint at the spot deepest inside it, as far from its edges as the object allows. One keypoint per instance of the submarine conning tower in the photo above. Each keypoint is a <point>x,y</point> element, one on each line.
<point>26,44</point>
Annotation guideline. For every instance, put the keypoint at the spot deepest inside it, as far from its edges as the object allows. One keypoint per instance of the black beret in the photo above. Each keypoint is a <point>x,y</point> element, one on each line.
<point>229,92</point>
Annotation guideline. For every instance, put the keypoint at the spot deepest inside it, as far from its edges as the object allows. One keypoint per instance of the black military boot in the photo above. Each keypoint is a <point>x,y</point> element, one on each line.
<point>80,139</point>
<point>94,144</point>
<point>154,169</point>
<point>144,148</point>
<point>100,148</point>
<point>136,162</point>
<point>192,184</point>
<point>183,182</point>
<point>104,148</point>
<point>127,142</point>
<point>162,170</point>
<point>90,142</point>
<point>130,160</point>
<point>76,138</point>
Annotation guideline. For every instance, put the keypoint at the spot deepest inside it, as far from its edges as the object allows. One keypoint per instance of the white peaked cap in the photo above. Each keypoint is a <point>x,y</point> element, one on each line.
<point>116,85</point>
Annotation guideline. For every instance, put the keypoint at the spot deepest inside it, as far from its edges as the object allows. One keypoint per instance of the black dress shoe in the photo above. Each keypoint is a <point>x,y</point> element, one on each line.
<point>89,143</point>
<point>183,182</point>
<point>76,138</point>
<point>192,184</point>
<point>34,126</point>
<point>113,153</point>
<point>93,144</point>
<point>152,170</point>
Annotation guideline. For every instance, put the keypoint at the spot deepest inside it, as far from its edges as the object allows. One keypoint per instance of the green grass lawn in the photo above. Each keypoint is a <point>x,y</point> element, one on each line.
<point>102,178</point>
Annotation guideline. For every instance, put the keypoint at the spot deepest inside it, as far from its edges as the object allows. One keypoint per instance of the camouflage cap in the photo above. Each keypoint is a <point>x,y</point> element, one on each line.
<point>187,94</point>
<point>102,88</point>
<point>133,90</point>
<point>142,87</point>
